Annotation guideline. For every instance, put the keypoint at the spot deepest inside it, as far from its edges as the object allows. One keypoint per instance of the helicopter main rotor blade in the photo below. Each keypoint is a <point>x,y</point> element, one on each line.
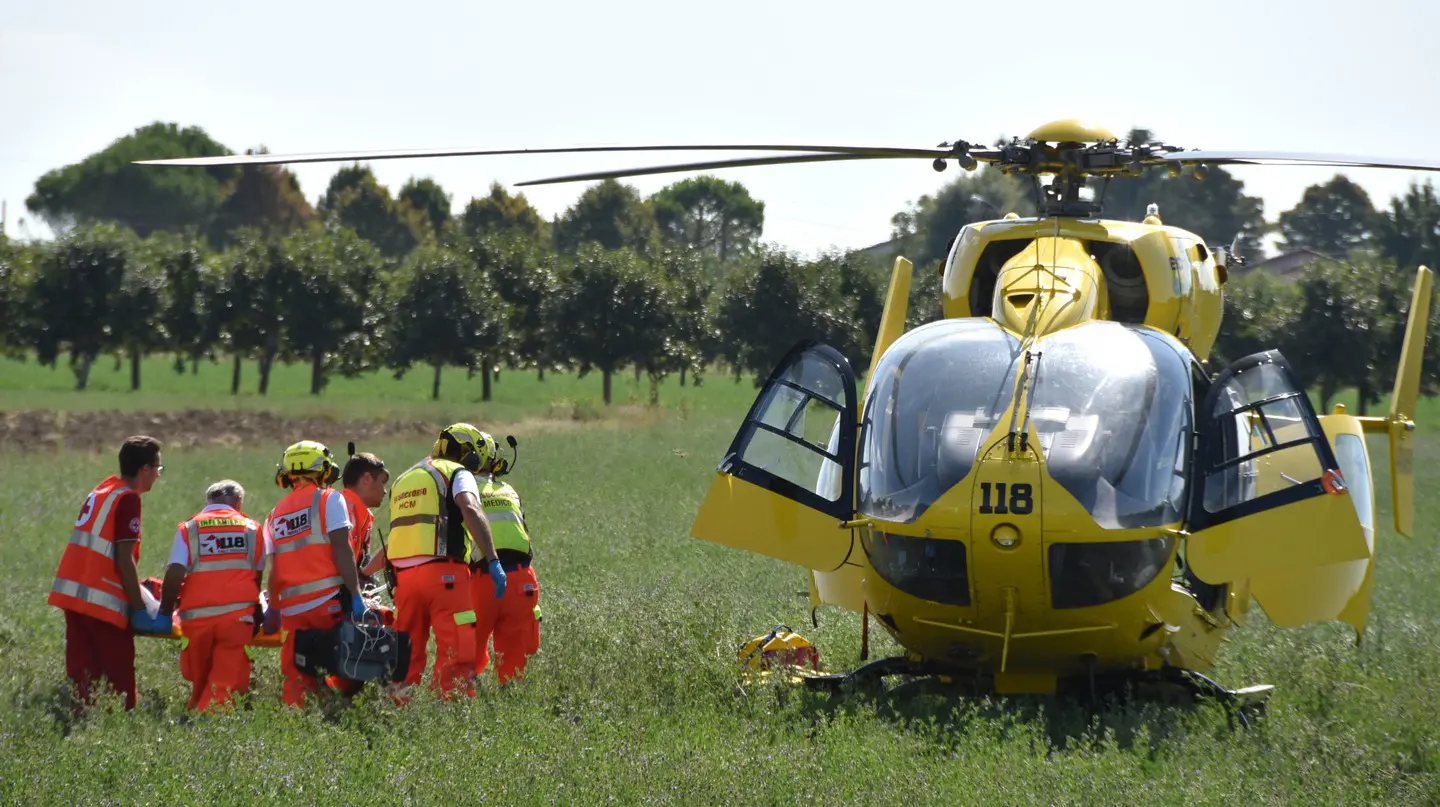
<point>1296,158</point>
<point>400,154</point>
<point>702,166</point>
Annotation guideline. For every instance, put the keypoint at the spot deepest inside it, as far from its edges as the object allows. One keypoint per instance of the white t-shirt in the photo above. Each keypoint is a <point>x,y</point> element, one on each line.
<point>180,552</point>
<point>462,482</point>
<point>337,516</point>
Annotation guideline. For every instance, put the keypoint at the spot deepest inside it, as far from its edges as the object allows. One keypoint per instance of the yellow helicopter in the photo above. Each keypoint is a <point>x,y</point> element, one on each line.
<point>1049,485</point>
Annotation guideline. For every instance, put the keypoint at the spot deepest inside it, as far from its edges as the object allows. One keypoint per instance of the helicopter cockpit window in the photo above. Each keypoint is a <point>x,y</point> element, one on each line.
<point>1113,409</point>
<point>795,427</point>
<point>934,397</point>
<point>1262,440</point>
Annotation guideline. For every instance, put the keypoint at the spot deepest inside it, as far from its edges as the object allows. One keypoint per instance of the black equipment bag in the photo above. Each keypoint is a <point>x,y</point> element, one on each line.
<point>359,651</point>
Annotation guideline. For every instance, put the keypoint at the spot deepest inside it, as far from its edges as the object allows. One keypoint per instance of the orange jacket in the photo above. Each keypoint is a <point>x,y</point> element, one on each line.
<point>225,548</point>
<point>304,564</point>
<point>361,520</point>
<point>87,581</point>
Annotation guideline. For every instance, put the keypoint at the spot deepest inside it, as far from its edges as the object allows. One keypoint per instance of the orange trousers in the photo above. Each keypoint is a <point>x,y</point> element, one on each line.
<point>436,597</point>
<point>214,661</point>
<point>510,620</point>
<point>297,683</point>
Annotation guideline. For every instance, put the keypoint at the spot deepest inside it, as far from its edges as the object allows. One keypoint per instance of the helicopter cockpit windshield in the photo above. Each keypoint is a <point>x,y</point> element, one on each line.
<point>935,395</point>
<point>1113,408</point>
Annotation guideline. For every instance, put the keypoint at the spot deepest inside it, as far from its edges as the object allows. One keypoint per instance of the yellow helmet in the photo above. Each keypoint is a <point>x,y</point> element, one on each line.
<point>307,457</point>
<point>478,449</point>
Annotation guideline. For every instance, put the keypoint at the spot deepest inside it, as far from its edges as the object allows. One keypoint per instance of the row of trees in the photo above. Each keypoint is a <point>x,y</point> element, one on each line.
<point>329,298</point>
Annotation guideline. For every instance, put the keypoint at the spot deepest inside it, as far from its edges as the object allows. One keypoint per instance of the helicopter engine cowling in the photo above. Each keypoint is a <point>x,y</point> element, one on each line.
<point>1052,283</point>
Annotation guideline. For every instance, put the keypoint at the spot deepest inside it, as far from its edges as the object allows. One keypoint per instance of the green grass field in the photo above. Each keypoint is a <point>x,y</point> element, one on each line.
<point>635,698</point>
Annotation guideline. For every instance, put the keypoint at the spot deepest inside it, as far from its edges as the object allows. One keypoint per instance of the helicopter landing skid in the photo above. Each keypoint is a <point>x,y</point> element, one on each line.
<point>1246,703</point>
<point>872,673</point>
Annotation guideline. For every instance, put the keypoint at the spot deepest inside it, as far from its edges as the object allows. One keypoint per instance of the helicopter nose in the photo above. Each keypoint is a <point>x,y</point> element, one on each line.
<point>1007,556</point>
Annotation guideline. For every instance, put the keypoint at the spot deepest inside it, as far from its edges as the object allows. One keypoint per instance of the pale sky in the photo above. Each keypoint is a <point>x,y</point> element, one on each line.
<point>322,75</point>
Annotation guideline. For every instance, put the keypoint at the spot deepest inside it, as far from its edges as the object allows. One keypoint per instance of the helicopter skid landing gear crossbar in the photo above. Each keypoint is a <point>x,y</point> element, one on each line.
<point>1247,704</point>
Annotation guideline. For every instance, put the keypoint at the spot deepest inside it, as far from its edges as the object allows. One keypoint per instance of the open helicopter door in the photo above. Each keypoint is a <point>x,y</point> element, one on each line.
<point>787,480</point>
<point>1269,501</point>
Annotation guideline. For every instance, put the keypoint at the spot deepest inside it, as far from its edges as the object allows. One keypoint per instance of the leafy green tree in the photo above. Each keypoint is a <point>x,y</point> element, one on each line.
<point>106,186</point>
<point>1333,219</point>
<point>500,212</point>
<point>693,339</point>
<point>1409,232</point>
<point>347,178</point>
<point>526,277</point>
<point>1337,339</point>
<point>773,303</point>
<point>361,203</point>
<point>17,276</point>
<point>135,325</point>
<point>709,214</point>
<point>188,309</point>
<point>928,226</point>
<point>264,197</point>
<point>1259,312</point>
<point>443,313</point>
<point>609,214</point>
<point>76,295</point>
<point>332,308</point>
<point>258,283</point>
<point>614,308</point>
<point>426,197</point>
<point>1215,207</point>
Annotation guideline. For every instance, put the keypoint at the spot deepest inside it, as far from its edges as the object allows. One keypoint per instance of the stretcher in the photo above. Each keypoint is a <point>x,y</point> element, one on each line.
<point>150,592</point>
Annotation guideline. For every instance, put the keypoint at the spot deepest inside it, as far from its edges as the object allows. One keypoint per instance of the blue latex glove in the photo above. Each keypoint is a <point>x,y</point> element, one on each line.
<point>357,606</point>
<point>164,625</point>
<point>142,622</point>
<point>497,574</point>
<point>272,620</point>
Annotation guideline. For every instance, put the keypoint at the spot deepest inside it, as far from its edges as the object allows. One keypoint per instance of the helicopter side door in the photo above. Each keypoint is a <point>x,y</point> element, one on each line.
<point>787,480</point>
<point>1268,497</point>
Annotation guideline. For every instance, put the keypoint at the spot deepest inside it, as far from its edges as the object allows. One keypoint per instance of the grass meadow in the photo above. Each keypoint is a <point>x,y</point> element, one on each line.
<point>634,697</point>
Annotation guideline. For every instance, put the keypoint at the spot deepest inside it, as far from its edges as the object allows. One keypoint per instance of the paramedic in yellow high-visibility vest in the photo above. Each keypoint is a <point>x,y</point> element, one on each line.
<point>437,533</point>
<point>514,619</point>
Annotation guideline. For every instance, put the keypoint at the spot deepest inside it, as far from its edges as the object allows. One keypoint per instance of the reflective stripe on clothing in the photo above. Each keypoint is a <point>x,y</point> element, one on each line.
<point>216,610</point>
<point>298,532</point>
<point>223,550</point>
<point>85,582</point>
<point>109,602</point>
<point>501,505</point>
<point>421,526</point>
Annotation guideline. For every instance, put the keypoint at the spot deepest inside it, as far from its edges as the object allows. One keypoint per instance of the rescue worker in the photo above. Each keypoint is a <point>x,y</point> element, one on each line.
<point>437,529</point>
<point>364,480</point>
<point>97,585</point>
<point>313,580</point>
<point>513,620</point>
<point>215,567</point>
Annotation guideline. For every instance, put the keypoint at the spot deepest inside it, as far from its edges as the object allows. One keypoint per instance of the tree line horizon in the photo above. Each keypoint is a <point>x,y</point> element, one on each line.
<point>234,261</point>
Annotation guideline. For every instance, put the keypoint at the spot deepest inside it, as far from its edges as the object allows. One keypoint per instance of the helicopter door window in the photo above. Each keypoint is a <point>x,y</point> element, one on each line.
<point>1261,443</point>
<point>790,442</point>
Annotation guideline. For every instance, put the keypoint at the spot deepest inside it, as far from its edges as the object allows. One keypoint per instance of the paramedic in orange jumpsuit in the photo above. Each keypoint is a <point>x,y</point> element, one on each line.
<point>215,567</point>
<point>313,580</point>
<point>97,585</point>
<point>513,620</point>
<point>364,480</point>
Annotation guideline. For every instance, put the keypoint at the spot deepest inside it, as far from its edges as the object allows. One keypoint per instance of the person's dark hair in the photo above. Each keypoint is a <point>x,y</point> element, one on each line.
<point>137,452</point>
<point>359,465</point>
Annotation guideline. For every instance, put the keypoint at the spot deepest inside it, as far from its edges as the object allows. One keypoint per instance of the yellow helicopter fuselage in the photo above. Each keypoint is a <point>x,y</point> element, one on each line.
<point>1048,481</point>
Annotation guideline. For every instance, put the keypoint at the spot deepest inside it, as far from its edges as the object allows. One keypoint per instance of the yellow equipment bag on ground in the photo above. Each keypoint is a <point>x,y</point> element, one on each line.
<point>781,650</point>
